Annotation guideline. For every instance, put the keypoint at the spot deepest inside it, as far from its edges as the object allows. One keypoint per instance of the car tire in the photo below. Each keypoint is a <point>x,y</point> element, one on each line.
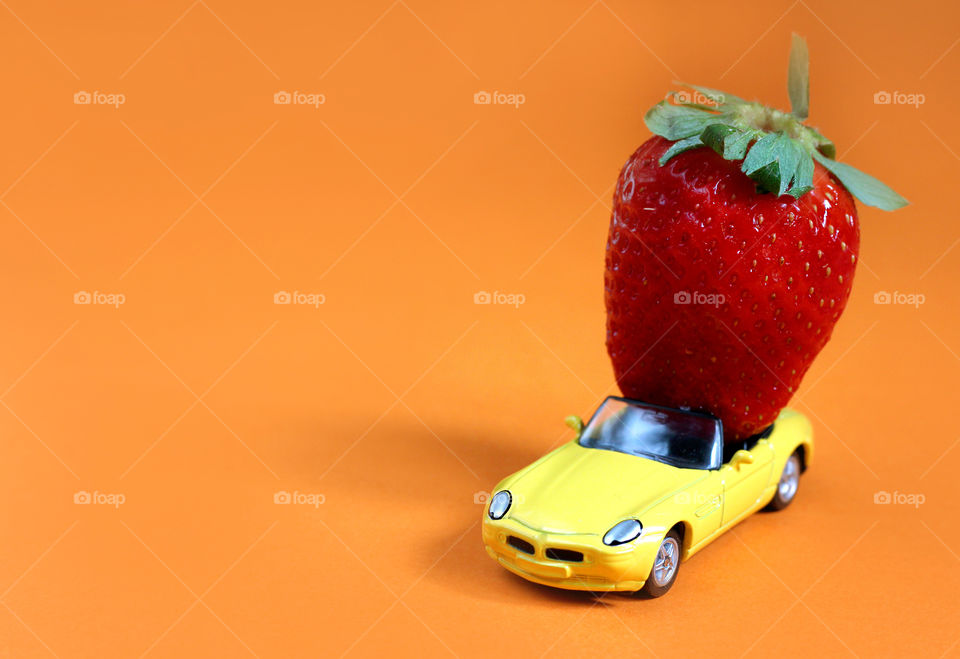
<point>666,565</point>
<point>788,484</point>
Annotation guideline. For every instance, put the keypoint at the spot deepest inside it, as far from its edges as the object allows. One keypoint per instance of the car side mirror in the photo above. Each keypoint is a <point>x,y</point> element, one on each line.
<point>741,457</point>
<point>575,422</point>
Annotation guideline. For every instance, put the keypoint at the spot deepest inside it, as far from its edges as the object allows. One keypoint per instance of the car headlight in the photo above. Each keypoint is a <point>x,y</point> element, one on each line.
<point>500,504</point>
<point>622,533</point>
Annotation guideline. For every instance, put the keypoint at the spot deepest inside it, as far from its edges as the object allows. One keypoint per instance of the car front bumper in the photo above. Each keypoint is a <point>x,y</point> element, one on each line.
<point>602,568</point>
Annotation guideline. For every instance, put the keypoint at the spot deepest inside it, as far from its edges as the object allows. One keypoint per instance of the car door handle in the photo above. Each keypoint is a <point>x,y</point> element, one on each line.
<point>707,508</point>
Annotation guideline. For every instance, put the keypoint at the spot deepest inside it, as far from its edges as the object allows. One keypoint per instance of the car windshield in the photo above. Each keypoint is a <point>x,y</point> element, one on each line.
<point>682,439</point>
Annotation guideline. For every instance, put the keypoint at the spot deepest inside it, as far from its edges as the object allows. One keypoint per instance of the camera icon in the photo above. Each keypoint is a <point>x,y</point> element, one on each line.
<point>682,297</point>
<point>282,98</point>
<point>482,297</point>
<point>482,98</point>
<point>481,497</point>
<point>82,297</point>
<point>882,497</point>
<point>882,297</point>
<point>82,497</point>
<point>683,96</point>
<point>281,497</point>
<point>82,98</point>
<point>282,297</point>
<point>882,98</point>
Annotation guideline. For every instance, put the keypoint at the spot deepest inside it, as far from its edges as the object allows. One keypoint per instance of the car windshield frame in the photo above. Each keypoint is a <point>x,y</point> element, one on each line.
<point>713,462</point>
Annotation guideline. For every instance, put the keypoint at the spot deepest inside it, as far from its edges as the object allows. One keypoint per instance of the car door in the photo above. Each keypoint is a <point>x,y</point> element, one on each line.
<point>708,507</point>
<point>744,479</point>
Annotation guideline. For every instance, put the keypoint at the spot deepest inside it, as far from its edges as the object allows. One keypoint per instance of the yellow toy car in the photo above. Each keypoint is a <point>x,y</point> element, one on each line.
<point>641,489</point>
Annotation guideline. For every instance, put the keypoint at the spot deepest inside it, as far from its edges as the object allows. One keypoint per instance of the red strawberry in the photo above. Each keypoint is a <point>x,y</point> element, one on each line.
<point>731,255</point>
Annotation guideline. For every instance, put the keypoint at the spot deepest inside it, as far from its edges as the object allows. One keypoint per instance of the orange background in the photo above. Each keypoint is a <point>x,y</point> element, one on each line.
<point>398,398</point>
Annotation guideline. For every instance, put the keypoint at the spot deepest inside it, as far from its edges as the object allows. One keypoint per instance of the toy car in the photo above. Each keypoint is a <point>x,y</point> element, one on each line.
<point>641,489</point>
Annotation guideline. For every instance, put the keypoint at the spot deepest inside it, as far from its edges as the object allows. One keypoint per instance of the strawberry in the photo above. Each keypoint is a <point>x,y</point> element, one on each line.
<point>731,254</point>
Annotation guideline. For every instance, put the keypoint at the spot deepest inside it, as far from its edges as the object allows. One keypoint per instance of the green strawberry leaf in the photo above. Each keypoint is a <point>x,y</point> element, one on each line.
<point>760,155</point>
<point>767,177</point>
<point>798,191</point>
<point>729,142</point>
<point>824,146</point>
<point>863,186</point>
<point>803,178</point>
<point>677,122</point>
<point>773,162</point>
<point>714,136</point>
<point>788,157</point>
<point>798,78</point>
<point>679,147</point>
<point>735,145</point>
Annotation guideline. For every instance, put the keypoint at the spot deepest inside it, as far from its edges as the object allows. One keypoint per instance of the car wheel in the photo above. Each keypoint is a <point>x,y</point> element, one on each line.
<point>788,484</point>
<point>666,564</point>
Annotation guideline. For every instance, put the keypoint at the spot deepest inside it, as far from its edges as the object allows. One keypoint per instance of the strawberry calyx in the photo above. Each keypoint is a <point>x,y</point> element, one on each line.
<point>777,148</point>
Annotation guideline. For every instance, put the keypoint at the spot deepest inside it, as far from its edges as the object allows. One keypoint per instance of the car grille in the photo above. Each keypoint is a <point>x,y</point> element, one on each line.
<point>551,553</point>
<point>520,544</point>
<point>567,555</point>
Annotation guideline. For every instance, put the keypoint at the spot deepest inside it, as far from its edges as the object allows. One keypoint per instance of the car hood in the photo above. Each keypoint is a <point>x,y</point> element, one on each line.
<point>579,490</point>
